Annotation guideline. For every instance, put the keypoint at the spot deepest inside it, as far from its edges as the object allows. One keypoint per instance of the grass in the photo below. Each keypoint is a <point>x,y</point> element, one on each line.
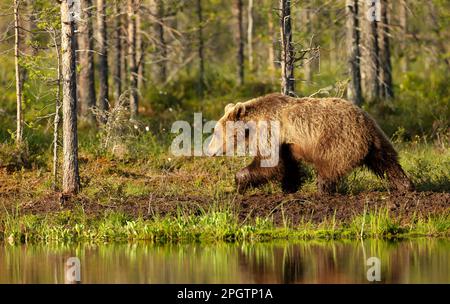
<point>211,226</point>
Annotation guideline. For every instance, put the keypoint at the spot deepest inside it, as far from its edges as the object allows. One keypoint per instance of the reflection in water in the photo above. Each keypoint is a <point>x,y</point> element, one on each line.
<point>415,261</point>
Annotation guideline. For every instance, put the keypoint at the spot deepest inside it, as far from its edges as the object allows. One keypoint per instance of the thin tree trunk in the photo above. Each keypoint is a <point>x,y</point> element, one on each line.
<point>71,178</point>
<point>385,61</point>
<point>250,35</point>
<point>162,42</point>
<point>132,58</point>
<point>102,39</point>
<point>307,24</point>
<point>373,63</point>
<point>403,12</point>
<point>287,49</point>
<point>354,92</point>
<point>57,113</point>
<point>118,51</point>
<point>140,52</point>
<point>240,40</point>
<point>19,118</point>
<point>124,50</point>
<point>271,49</point>
<point>86,61</point>
<point>201,56</point>
<point>28,25</point>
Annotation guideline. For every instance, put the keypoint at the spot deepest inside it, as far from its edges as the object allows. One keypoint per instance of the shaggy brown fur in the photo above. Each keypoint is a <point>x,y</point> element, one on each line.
<point>331,134</point>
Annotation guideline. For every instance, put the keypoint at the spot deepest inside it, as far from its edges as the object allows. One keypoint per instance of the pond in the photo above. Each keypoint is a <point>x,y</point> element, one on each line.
<point>410,261</point>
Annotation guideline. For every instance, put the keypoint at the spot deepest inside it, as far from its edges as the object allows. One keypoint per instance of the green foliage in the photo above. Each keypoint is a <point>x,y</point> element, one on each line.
<point>421,108</point>
<point>15,157</point>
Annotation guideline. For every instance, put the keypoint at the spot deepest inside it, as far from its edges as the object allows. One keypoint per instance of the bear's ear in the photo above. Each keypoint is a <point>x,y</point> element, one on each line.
<point>238,111</point>
<point>228,107</point>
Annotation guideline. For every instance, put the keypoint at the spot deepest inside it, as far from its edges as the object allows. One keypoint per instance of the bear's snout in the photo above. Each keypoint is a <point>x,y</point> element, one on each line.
<point>213,148</point>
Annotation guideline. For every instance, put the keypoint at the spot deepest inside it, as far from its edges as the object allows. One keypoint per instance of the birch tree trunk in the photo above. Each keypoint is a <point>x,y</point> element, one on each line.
<point>132,58</point>
<point>71,178</point>
<point>372,66</point>
<point>287,50</point>
<point>57,118</point>
<point>28,25</point>
<point>86,61</point>
<point>117,62</point>
<point>240,41</point>
<point>201,55</point>
<point>162,54</point>
<point>140,52</point>
<point>354,93</point>
<point>19,118</point>
<point>250,34</point>
<point>102,40</point>
<point>386,86</point>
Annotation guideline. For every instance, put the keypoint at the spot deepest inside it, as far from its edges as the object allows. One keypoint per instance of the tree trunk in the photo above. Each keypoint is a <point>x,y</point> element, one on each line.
<point>28,25</point>
<point>118,51</point>
<point>250,35</point>
<point>201,56</point>
<point>140,52</point>
<point>271,50</point>
<point>307,24</point>
<point>372,68</point>
<point>86,61</point>
<point>240,40</point>
<point>386,87</point>
<point>19,118</point>
<point>354,92</point>
<point>102,103</point>
<point>57,112</point>
<point>403,15</point>
<point>71,179</point>
<point>132,58</point>
<point>287,50</point>
<point>162,54</point>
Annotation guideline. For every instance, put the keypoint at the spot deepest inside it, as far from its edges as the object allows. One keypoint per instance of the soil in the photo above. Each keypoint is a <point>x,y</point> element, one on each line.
<point>292,208</point>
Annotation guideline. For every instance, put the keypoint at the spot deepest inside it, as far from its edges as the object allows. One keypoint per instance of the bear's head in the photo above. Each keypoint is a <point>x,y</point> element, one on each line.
<point>230,132</point>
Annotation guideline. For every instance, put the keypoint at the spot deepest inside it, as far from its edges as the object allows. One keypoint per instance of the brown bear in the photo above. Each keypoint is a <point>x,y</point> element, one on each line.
<point>331,134</point>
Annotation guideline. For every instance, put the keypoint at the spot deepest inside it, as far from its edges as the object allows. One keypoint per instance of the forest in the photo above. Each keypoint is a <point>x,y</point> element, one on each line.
<point>91,90</point>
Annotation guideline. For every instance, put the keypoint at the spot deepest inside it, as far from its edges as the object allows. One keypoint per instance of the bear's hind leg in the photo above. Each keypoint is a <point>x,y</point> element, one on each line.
<point>326,185</point>
<point>386,162</point>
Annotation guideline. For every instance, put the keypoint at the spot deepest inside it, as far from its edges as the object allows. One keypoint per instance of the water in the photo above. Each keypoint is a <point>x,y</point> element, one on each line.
<point>414,261</point>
